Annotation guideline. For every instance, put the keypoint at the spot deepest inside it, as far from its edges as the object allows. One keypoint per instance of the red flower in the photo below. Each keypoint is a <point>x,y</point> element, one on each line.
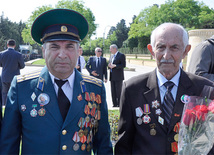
<point>211,107</point>
<point>201,111</point>
<point>189,117</point>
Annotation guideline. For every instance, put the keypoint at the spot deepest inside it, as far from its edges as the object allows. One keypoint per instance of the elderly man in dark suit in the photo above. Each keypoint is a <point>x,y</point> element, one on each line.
<point>148,120</point>
<point>97,65</point>
<point>117,63</point>
<point>11,62</point>
<point>57,110</point>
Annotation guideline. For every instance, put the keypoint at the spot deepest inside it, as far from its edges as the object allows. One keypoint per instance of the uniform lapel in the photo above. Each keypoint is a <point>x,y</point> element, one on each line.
<point>185,87</point>
<point>52,107</point>
<point>76,105</point>
<point>153,95</point>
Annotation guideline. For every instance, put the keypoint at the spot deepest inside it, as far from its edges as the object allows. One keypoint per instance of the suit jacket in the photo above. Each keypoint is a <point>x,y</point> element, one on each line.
<point>140,91</point>
<point>202,59</point>
<point>48,134</point>
<point>11,62</point>
<point>82,62</point>
<point>92,66</point>
<point>117,73</point>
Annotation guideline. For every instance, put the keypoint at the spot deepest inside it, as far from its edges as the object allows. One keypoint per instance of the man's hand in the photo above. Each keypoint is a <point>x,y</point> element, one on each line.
<point>94,73</point>
<point>110,65</point>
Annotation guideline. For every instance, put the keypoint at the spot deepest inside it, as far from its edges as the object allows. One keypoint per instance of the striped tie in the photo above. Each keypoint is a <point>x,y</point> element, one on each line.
<point>168,101</point>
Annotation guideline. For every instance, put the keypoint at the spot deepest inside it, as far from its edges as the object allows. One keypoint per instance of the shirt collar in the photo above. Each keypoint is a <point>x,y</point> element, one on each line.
<point>162,79</point>
<point>70,78</point>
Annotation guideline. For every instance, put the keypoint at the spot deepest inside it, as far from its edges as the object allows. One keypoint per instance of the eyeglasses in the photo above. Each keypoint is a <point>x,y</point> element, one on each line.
<point>99,51</point>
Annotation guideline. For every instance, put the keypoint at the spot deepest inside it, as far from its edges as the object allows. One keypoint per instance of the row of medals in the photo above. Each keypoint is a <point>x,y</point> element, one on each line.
<point>92,111</point>
<point>146,119</point>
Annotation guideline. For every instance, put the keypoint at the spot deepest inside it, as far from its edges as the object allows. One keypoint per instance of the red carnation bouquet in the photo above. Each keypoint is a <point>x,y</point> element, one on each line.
<point>196,135</point>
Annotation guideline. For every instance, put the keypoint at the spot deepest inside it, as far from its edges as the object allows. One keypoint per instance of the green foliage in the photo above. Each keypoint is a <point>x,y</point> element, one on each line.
<point>68,4</point>
<point>10,30</point>
<point>39,62</point>
<point>114,116</point>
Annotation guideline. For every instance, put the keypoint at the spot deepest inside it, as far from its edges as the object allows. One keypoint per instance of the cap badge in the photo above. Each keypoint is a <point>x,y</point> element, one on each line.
<point>64,29</point>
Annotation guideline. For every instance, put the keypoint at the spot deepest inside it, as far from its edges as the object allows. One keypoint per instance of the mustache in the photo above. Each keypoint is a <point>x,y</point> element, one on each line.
<point>167,61</point>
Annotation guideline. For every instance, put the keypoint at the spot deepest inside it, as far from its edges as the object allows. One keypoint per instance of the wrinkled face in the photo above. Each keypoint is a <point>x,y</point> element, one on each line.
<point>169,51</point>
<point>113,50</point>
<point>61,57</point>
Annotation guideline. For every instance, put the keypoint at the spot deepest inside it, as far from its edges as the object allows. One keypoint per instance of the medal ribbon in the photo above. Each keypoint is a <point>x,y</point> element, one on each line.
<point>146,109</point>
<point>92,96</point>
<point>81,123</point>
<point>87,110</point>
<point>174,147</point>
<point>87,97</point>
<point>93,111</point>
<point>83,139</point>
<point>139,112</point>
<point>76,137</point>
<point>177,127</point>
<point>98,99</point>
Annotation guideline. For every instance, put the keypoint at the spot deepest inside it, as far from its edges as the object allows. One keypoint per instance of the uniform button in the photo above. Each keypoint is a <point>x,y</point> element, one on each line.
<point>64,132</point>
<point>64,147</point>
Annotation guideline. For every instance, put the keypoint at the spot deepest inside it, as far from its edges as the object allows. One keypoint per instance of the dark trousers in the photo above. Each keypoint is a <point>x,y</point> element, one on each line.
<point>116,87</point>
<point>5,88</point>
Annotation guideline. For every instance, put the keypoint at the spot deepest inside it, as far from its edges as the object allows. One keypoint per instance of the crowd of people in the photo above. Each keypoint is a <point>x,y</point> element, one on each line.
<point>59,110</point>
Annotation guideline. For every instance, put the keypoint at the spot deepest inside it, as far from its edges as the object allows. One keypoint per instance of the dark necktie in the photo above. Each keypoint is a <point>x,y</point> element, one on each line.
<point>63,101</point>
<point>79,64</point>
<point>98,62</point>
<point>168,101</point>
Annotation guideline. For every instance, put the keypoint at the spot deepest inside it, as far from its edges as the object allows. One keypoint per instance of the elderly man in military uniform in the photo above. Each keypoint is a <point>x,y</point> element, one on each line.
<point>73,117</point>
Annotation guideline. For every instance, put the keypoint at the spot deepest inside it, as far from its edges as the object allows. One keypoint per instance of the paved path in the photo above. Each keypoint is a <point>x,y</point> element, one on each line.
<point>128,74</point>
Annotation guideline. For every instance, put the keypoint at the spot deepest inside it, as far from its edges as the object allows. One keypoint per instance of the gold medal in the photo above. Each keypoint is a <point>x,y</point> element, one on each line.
<point>176,137</point>
<point>88,148</point>
<point>90,105</point>
<point>85,132</point>
<point>87,119</point>
<point>80,133</point>
<point>152,132</point>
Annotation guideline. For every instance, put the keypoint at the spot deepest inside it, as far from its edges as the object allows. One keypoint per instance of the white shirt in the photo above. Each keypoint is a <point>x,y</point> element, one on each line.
<point>82,62</point>
<point>162,88</point>
<point>113,57</point>
<point>67,87</point>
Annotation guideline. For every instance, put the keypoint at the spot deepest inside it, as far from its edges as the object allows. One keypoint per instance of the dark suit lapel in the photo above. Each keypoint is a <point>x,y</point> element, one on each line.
<point>185,87</point>
<point>153,95</point>
<point>52,107</point>
<point>76,105</point>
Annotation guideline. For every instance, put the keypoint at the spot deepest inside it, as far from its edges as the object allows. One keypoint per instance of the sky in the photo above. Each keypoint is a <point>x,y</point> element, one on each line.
<point>107,12</point>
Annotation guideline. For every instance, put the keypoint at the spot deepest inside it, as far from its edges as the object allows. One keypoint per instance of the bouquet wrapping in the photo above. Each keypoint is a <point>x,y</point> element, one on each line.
<point>196,135</point>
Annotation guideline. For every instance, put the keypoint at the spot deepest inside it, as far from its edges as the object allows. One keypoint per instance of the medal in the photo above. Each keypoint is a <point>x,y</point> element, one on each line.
<point>43,99</point>
<point>139,121</point>
<point>98,99</point>
<point>158,111</point>
<point>79,97</point>
<point>160,120</point>
<point>80,133</point>
<point>83,139</point>
<point>41,112</point>
<point>89,105</point>
<point>185,98</point>
<point>93,111</point>
<point>23,107</point>
<point>139,112</point>
<point>92,96</point>
<point>76,147</point>
<point>85,132</point>
<point>155,104</point>
<point>33,96</point>
<point>33,112</point>
<point>176,137</point>
<point>88,147</point>
<point>146,119</point>
<point>76,139</point>
<point>174,147</point>
<point>83,147</point>
<point>152,130</point>
<point>87,97</point>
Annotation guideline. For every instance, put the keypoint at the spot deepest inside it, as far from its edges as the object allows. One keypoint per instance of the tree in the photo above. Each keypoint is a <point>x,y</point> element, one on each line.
<point>68,4</point>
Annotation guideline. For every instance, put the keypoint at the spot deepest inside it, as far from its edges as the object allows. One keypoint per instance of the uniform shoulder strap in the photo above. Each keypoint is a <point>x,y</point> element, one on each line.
<point>211,41</point>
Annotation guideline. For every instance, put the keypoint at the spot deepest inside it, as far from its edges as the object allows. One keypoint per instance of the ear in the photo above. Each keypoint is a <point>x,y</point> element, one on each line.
<point>149,46</point>
<point>43,52</point>
<point>187,49</point>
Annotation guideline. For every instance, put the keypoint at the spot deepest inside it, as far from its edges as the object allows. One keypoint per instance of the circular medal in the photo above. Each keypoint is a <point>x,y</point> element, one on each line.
<point>80,133</point>
<point>176,137</point>
<point>139,121</point>
<point>152,132</point>
<point>146,119</point>
<point>43,99</point>
<point>83,147</point>
<point>33,113</point>
<point>94,105</point>
<point>76,147</point>
<point>185,98</point>
<point>85,132</point>
<point>23,107</point>
<point>41,112</point>
<point>87,119</point>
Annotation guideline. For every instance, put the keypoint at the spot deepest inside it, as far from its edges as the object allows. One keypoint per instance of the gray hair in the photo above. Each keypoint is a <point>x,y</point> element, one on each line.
<point>97,48</point>
<point>185,34</point>
<point>114,46</point>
